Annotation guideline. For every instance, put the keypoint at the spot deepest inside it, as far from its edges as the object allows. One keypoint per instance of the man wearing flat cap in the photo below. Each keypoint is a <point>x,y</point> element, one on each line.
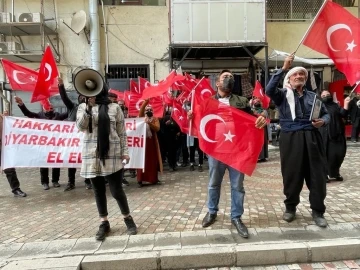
<point>301,147</point>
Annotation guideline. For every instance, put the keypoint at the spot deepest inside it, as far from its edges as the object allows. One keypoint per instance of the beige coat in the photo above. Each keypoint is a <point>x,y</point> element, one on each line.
<point>155,127</point>
<point>91,165</point>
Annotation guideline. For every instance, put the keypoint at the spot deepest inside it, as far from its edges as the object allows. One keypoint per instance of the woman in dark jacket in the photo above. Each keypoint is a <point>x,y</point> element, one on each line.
<point>334,135</point>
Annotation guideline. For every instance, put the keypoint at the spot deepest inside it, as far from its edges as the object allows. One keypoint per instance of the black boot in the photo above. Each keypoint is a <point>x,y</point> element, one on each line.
<point>104,229</point>
<point>208,220</point>
<point>131,226</point>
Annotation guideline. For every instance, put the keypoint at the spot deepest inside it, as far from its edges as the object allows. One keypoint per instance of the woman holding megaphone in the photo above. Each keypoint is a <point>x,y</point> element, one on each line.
<point>104,155</point>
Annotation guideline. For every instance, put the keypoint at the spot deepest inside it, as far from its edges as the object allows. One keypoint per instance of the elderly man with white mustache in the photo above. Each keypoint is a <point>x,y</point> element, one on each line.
<point>301,147</point>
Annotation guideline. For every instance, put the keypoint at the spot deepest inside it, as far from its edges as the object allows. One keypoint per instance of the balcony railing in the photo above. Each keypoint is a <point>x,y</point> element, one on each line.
<point>297,10</point>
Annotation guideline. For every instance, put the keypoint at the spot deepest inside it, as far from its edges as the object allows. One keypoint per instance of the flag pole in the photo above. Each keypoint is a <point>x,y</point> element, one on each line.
<point>192,103</point>
<point>311,25</point>
<point>352,91</point>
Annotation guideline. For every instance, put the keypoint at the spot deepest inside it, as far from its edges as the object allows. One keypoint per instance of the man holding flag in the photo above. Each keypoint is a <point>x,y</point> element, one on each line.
<point>301,147</point>
<point>219,160</point>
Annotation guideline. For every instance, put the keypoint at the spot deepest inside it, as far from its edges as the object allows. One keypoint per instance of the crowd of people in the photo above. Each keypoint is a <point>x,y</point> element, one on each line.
<point>311,150</point>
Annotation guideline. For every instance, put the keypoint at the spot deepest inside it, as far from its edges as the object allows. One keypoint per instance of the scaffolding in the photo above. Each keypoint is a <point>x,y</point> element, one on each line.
<point>23,37</point>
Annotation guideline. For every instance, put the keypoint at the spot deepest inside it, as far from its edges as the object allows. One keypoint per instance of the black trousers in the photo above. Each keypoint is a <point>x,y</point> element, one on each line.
<point>302,155</point>
<point>336,151</point>
<point>355,130</point>
<point>116,189</point>
<point>11,176</point>
<point>200,152</point>
<point>55,175</point>
<point>172,146</point>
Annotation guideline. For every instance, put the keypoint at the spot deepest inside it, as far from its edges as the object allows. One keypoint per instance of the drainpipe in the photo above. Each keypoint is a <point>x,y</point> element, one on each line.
<point>94,35</point>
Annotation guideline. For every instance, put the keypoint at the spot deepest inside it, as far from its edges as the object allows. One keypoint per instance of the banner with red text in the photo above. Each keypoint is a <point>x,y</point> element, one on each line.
<point>57,144</point>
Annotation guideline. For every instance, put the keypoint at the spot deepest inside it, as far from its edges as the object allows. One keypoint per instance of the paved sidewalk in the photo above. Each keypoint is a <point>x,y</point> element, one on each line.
<point>187,250</point>
<point>176,206</point>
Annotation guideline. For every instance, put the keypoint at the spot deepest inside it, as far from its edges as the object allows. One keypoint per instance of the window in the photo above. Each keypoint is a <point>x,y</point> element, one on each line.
<point>297,10</point>
<point>135,2</point>
<point>119,75</point>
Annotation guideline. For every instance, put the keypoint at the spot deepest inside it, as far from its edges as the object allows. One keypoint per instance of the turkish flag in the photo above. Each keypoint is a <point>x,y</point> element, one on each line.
<point>163,86</point>
<point>228,135</point>
<point>260,94</point>
<point>134,87</point>
<point>48,73</point>
<point>22,78</point>
<point>168,98</point>
<point>120,95</point>
<point>143,83</point>
<point>134,101</point>
<point>203,89</point>
<point>180,117</point>
<point>336,33</point>
<point>184,96</point>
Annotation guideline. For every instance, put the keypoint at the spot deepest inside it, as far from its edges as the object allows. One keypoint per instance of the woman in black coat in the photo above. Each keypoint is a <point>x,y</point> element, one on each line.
<point>334,135</point>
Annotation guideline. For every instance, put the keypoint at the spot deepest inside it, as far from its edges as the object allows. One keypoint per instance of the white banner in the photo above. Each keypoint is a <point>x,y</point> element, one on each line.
<point>57,144</point>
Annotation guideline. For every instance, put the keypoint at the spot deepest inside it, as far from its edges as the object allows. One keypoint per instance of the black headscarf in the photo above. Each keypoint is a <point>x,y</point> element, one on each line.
<point>103,143</point>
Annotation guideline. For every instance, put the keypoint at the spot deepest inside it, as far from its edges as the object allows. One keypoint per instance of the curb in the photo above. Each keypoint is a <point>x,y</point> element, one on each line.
<point>215,255</point>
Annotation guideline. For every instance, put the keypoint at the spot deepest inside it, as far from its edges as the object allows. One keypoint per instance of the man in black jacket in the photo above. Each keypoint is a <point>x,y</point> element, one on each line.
<point>354,111</point>
<point>49,114</point>
<point>71,112</point>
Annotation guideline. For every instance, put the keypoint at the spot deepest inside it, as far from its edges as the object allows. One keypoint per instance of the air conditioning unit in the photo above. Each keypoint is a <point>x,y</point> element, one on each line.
<point>5,17</point>
<point>30,17</point>
<point>10,47</point>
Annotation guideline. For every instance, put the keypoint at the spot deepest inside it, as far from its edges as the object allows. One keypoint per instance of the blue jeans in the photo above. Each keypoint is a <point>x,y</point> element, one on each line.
<point>216,174</point>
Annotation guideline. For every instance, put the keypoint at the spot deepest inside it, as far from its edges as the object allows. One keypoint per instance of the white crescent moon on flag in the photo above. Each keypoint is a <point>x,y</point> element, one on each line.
<point>49,68</point>
<point>179,83</point>
<point>261,92</point>
<point>16,79</point>
<point>332,29</point>
<point>203,123</point>
<point>205,91</point>
<point>138,104</point>
<point>176,109</point>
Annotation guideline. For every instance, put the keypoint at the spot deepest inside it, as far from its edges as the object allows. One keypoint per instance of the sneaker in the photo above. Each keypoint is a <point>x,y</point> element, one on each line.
<point>339,178</point>
<point>46,186</point>
<point>184,164</point>
<point>125,182</point>
<point>130,224</point>
<point>104,229</point>
<point>178,164</point>
<point>69,187</point>
<point>56,184</point>
<point>140,184</point>
<point>19,193</point>
<point>200,168</point>
<point>88,185</point>
<point>132,174</point>
<point>192,167</point>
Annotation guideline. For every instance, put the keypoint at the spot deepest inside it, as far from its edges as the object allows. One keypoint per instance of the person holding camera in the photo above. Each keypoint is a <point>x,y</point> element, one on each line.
<point>104,154</point>
<point>153,161</point>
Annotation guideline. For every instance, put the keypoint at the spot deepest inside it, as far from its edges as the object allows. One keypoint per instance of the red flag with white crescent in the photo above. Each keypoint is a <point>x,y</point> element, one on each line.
<point>48,73</point>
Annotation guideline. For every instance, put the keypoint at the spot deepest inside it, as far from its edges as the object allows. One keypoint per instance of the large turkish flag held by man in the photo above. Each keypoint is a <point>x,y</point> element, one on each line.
<point>336,33</point>
<point>228,135</point>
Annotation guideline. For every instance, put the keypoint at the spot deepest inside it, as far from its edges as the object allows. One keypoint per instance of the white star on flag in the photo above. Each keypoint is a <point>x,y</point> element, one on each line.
<point>351,46</point>
<point>181,118</point>
<point>228,136</point>
<point>32,79</point>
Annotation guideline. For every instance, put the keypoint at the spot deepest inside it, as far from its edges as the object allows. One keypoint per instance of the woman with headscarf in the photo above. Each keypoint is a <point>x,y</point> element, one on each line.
<point>153,161</point>
<point>334,135</point>
<point>104,155</point>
